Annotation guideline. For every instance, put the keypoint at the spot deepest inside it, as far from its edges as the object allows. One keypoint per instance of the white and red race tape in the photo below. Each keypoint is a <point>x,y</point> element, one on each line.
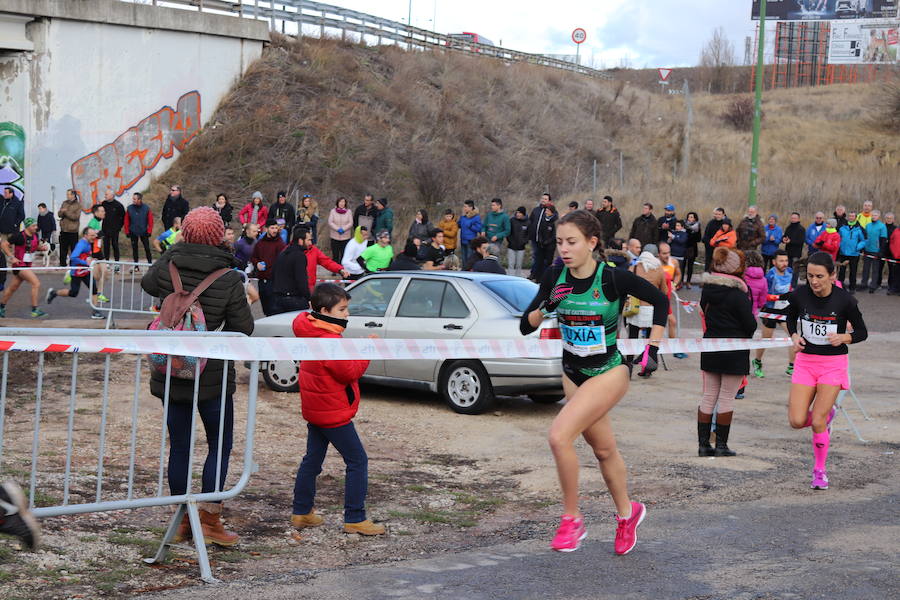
<point>774,316</point>
<point>889,260</point>
<point>259,348</point>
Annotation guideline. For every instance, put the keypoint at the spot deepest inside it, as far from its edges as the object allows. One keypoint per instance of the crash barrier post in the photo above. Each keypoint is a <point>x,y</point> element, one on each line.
<point>120,283</point>
<point>75,470</point>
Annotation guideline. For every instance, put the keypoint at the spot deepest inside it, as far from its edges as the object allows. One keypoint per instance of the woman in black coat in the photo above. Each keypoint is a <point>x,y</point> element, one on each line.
<point>727,313</point>
<point>223,207</point>
<point>224,305</point>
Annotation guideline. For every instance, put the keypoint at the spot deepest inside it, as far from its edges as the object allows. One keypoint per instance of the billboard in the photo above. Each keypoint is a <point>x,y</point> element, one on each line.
<point>826,10</point>
<point>859,43</point>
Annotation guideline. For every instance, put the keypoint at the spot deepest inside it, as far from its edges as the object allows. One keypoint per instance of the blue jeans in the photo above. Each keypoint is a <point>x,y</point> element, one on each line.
<point>179,425</point>
<point>466,251</point>
<point>356,479</point>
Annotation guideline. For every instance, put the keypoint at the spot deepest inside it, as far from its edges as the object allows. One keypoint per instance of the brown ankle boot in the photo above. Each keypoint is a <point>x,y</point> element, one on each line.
<point>184,529</point>
<point>213,530</point>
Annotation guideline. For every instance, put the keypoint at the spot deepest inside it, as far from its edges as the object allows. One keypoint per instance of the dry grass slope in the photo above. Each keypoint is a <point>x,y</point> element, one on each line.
<point>431,129</point>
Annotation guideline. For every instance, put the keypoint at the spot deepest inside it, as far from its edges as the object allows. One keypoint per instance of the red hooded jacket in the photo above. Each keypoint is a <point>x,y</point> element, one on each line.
<point>329,389</point>
<point>314,258</point>
<point>894,243</point>
<point>829,242</point>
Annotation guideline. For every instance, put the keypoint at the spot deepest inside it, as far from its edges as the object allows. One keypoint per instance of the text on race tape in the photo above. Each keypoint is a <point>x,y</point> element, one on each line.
<point>276,348</point>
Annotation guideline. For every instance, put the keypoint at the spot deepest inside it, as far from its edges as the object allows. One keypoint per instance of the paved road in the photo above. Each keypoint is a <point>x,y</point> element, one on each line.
<point>774,548</point>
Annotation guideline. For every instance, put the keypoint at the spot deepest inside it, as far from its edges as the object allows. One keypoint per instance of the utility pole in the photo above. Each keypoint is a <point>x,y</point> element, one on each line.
<point>686,145</point>
<point>757,106</point>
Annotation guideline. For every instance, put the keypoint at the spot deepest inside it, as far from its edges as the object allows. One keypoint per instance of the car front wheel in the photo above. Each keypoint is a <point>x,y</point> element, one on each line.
<point>282,375</point>
<point>466,387</point>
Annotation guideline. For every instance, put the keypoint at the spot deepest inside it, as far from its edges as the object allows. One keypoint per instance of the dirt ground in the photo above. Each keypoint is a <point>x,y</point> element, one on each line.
<point>439,481</point>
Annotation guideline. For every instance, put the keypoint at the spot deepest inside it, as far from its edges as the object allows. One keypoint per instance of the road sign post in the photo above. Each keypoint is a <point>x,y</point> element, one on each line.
<point>578,36</point>
<point>664,78</point>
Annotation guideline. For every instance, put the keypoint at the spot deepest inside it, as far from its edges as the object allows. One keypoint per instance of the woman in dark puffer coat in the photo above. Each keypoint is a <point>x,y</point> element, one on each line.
<point>224,304</point>
<point>727,313</point>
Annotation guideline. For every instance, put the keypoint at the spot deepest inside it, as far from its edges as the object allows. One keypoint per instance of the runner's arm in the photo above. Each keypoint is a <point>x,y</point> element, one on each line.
<point>793,313</point>
<point>860,333</point>
<point>629,284</point>
<point>532,317</point>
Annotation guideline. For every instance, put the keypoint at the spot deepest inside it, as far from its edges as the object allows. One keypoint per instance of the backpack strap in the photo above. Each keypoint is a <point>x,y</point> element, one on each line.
<point>207,281</point>
<point>176,278</point>
<point>171,314</point>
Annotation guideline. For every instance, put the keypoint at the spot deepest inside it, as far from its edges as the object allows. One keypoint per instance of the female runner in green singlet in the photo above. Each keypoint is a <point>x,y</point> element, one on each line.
<point>587,296</point>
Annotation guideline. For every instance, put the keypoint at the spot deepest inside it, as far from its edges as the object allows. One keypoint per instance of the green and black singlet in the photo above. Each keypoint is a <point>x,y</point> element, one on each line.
<point>589,316</point>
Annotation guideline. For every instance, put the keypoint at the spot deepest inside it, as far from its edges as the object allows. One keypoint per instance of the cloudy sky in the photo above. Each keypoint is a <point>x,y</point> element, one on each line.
<point>650,33</point>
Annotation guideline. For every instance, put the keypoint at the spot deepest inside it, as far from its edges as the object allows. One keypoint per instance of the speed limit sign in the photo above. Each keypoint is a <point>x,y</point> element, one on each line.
<point>579,35</point>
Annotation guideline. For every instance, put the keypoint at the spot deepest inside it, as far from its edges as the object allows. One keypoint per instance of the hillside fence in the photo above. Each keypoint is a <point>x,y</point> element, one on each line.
<point>322,20</point>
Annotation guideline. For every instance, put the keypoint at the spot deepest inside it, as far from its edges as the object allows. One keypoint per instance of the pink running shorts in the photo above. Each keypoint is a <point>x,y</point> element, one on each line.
<point>813,369</point>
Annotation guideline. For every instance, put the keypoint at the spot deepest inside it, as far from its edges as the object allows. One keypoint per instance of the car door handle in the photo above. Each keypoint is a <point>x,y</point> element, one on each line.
<point>452,326</point>
<point>373,324</point>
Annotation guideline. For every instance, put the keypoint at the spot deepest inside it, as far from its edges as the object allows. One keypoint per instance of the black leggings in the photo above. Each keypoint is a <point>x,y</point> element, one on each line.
<point>111,244</point>
<point>854,265</point>
<point>689,257</point>
<point>67,241</point>
<point>145,240</point>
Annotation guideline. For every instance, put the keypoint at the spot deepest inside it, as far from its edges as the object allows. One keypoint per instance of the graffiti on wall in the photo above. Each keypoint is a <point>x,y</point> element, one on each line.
<point>12,158</point>
<point>119,165</point>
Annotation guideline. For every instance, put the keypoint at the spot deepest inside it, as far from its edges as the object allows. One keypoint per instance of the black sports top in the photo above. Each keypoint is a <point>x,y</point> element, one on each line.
<point>814,318</point>
<point>616,285</point>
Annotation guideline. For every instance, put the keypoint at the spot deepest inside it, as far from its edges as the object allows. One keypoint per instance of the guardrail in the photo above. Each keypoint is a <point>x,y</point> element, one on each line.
<point>329,17</point>
<point>70,469</point>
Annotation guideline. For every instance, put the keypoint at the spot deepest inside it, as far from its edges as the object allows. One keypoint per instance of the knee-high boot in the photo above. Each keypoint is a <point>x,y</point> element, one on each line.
<point>704,425</point>
<point>723,428</point>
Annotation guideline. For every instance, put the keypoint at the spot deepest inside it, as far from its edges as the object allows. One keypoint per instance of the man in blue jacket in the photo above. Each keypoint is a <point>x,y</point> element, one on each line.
<point>876,240</point>
<point>772,241</point>
<point>469,228</point>
<point>814,231</point>
<point>853,240</point>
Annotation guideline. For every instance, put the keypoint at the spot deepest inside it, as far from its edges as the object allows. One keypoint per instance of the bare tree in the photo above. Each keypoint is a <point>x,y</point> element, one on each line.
<point>717,59</point>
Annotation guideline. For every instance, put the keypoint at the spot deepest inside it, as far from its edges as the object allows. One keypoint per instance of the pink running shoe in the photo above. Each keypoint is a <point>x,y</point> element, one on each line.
<point>626,533</point>
<point>819,480</point>
<point>569,535</point>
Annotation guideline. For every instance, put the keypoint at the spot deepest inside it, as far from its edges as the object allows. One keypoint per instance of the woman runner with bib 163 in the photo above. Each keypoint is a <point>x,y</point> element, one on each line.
<point>587,297</point>
<point>817,317</point>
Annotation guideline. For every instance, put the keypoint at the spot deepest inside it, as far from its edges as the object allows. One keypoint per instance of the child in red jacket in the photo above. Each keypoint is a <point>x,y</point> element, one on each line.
<point>329,399</point>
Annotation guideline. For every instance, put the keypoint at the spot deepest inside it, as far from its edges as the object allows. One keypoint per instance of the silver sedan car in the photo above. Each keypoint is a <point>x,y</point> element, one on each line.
<point>445,305</point>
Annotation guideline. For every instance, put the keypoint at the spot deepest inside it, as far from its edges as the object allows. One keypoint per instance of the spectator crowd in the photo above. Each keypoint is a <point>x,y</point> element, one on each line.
<point>277,243</point>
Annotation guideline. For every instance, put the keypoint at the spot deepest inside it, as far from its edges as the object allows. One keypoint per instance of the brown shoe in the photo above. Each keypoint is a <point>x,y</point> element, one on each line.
<point>213,530</point>
<point>311,519</point>
<point>184,530</point>
<point>366,527</point>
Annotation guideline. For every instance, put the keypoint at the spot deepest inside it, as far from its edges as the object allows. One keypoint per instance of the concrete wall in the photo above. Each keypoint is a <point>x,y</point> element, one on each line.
<point>107,103</point>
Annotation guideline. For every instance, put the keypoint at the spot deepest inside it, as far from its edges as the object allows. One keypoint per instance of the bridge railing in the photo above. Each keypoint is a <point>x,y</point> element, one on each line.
<point>327,18</point>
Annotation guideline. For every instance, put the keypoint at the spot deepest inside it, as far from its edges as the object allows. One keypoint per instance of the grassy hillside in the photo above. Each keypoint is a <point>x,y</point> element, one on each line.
<point>430,130</point>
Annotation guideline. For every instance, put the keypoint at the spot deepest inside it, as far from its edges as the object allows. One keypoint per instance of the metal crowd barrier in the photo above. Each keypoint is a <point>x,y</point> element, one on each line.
<point>80,472</point>
<point>121,284</point>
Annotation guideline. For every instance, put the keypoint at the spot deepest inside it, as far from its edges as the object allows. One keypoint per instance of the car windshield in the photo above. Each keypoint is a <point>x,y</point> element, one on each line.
<point>518,293</point>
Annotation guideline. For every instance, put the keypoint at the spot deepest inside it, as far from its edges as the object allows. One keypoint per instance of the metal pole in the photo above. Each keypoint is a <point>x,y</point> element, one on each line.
<point>621,170</point>
<point>757,107</point>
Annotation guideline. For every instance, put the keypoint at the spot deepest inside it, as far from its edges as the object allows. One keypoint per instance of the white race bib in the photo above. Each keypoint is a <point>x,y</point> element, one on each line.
<point>780,304</point>
<point>817,333</point>
<point>29,257</point>
<point>584,340</point>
